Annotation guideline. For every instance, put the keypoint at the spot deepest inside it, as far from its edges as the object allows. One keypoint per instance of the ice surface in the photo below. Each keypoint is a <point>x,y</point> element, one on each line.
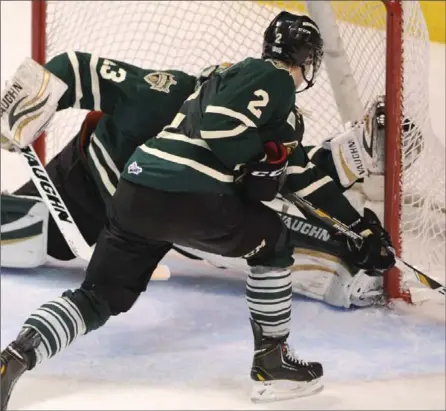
<point>187,345</point>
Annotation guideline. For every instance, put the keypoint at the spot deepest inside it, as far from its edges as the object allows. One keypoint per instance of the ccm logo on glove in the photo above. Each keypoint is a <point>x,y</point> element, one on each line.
<point>261,180</point>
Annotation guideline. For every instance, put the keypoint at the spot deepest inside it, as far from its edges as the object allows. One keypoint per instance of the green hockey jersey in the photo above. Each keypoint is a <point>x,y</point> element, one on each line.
<point>137,103</point>
<point>225,123</point>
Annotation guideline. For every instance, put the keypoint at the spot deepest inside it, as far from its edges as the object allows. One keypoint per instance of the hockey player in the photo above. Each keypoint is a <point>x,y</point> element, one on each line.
<point>321,274</point>
<point>86,180</point>
<point>234,143</point>
<point>135,104</point>
<point>127,105</point>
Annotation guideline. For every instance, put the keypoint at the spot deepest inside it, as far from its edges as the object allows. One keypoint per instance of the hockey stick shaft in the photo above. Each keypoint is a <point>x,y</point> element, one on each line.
<point>62,215</point>
<point>56,206</point>
<point>344,229</point>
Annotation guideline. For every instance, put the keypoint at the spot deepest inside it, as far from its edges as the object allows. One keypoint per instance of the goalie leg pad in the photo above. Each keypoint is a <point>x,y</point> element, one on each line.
<point>324,277</point>
<point>318,271</point>
<point>24,231</point>
<point>316,275</point>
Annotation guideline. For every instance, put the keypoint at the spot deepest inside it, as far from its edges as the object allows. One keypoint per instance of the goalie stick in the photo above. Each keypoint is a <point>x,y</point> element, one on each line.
<point>344,229</point>
<point>61,214</point>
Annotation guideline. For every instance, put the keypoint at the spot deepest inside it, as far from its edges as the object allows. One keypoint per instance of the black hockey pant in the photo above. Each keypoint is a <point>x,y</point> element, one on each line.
<point>144,223</point>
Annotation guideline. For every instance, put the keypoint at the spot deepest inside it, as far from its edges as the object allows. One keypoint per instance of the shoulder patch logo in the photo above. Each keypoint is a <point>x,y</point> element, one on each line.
<point>134,168</point>
<point>160,81</point>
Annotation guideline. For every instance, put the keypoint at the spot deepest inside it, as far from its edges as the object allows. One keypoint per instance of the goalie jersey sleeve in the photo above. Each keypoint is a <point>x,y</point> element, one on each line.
<point>223,124</point>
<point>313,183</point>
<point>103,84</point>
<point>136,104</point>
<point>93,83</point>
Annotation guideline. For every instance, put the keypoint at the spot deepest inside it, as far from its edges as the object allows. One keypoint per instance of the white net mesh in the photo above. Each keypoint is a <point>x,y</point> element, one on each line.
<point>190,35</point>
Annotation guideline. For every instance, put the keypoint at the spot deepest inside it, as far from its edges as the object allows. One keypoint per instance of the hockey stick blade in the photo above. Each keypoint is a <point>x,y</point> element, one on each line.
<point>344,229</point>
<point>62,215</point>
<point>422,278</point>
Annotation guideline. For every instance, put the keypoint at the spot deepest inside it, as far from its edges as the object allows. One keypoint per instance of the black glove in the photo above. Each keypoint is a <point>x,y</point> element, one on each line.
<point>373,253</point>
<point>261,180</point>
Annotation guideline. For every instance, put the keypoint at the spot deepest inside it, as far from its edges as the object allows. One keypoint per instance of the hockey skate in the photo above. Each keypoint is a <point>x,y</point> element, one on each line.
<point>14,362</point>
<point>278,373</point>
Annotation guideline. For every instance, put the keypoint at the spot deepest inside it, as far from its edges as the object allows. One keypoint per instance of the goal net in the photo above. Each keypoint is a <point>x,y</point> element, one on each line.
<point>372,48</point>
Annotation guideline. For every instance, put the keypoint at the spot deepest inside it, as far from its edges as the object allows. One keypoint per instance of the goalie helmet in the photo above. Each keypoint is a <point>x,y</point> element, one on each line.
<point>294,40</point>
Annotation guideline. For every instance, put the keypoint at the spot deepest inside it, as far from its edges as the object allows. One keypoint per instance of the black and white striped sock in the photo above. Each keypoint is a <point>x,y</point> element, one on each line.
<point>58,323</point>
<point>269,296</point>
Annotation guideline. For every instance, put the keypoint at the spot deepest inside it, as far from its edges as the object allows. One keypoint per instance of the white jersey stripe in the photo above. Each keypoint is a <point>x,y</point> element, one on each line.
<point>314,186</point>
<point>95,89</point>
<point>181,137</point>
<point>101,170</point>
<point>111,165</point>
<point>223,133</point>
<point>225,178</point>
<point>231,113</point>
<point>299,170</point>
<point>77,78</point>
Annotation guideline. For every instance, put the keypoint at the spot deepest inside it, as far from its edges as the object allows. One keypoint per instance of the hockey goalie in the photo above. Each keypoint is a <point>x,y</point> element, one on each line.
<point>127,105</point>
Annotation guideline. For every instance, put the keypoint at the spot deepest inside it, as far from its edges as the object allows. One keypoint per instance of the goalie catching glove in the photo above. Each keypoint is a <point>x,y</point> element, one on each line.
<point>28,103</point>
<point>262,180</point>
<point>374,252</point>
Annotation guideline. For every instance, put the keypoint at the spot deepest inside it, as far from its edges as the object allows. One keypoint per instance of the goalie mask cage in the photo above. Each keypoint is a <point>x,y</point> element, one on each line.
<point>372,48</point>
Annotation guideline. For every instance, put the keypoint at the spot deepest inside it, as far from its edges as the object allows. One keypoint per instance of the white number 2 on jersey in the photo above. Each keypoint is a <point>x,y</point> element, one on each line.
<point>254,105</point>
<point>111,71</point>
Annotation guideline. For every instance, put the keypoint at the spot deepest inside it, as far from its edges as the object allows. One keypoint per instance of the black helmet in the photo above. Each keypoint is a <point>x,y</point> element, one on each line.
<point>294,40</point>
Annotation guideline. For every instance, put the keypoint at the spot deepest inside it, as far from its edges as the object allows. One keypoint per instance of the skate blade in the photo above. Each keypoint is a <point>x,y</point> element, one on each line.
<point>281,390</point>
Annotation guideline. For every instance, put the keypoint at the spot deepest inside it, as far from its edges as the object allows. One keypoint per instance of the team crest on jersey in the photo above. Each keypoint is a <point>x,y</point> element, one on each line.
<point>160,81</point>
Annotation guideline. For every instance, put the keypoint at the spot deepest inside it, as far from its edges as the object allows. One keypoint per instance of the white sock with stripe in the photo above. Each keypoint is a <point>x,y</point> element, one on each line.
<point>269,297</point>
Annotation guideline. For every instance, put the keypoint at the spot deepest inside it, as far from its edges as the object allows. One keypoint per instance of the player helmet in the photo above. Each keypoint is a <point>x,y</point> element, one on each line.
<point>295,40</point>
